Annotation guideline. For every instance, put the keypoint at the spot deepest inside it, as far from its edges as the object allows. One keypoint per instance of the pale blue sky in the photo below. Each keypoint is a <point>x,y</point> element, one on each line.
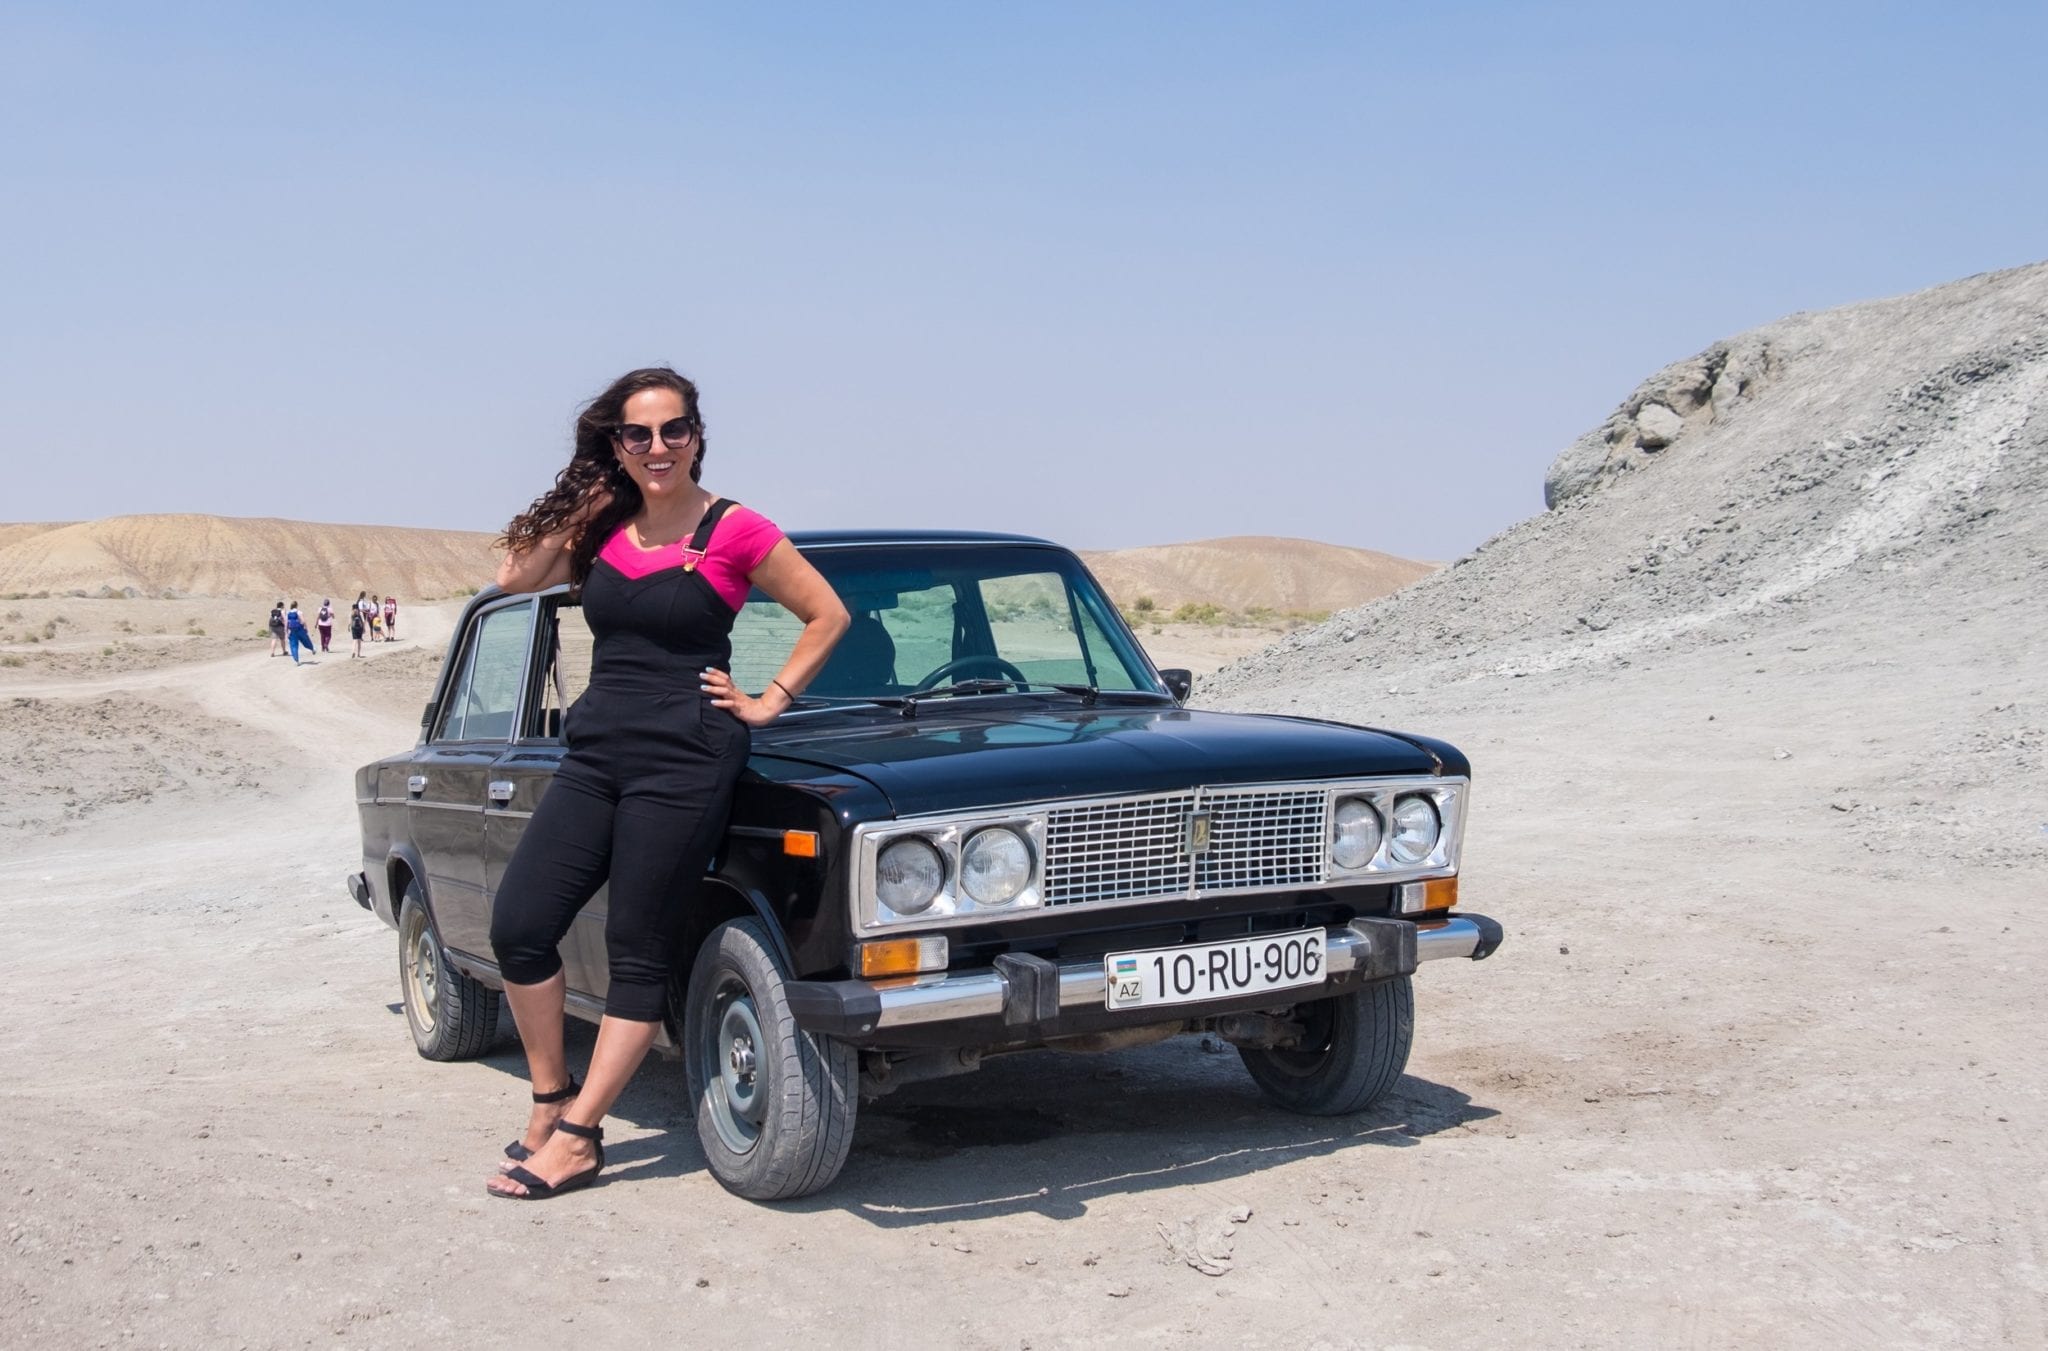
<point>1118,274</point>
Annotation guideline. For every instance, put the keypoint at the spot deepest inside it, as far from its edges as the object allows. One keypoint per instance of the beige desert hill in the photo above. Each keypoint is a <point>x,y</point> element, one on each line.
<point>1243,572</point>
<point>259,558</point>
<point>265,557</point>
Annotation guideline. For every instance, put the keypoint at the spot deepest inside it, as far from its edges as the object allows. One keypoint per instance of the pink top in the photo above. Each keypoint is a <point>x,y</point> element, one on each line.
<point>740,540</point>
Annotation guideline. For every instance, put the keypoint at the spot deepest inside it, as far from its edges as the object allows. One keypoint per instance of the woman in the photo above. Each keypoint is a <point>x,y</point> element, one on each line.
<point>326,621</point>
<point>391,619</point>
<point>277,629</point>
<point>355,630</point>
<point>376,613</point>
<point>295,632</point>
<point>655,744</point>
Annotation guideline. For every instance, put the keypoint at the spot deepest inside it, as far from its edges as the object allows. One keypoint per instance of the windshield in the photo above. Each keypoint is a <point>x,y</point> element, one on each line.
<point>933,615</point>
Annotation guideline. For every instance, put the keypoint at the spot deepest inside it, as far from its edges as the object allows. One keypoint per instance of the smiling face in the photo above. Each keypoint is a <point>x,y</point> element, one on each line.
<point>664,471</point>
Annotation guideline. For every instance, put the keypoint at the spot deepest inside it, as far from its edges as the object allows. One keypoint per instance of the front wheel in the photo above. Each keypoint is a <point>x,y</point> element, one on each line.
<point>775,1105</point>
<point>1355,1047</point>
<point>452,1016</point>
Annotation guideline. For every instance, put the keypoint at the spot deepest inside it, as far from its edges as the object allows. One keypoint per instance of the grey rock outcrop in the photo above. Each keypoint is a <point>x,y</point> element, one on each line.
<point>1681,397</point>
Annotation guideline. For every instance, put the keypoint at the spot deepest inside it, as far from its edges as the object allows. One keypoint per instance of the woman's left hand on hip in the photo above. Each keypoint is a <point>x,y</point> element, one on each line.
<point>717,686</point>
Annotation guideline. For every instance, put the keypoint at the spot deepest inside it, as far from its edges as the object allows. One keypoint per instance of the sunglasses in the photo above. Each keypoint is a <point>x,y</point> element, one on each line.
<point>637,438</point>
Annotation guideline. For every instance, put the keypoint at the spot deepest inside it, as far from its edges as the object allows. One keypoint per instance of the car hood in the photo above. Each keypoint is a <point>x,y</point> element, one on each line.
<point>947,760</point>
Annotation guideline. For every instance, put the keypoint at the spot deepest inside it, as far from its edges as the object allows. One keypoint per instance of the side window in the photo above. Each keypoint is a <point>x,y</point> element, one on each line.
<point>567,672</point>
<point>484,700</point>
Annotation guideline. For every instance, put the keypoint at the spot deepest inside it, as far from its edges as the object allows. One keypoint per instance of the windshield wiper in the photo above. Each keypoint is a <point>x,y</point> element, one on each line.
<point>999,685</point>
<point>907,703</point>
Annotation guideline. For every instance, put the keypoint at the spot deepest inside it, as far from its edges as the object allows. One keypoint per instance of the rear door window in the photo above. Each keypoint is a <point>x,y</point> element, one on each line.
<point>483,702</point>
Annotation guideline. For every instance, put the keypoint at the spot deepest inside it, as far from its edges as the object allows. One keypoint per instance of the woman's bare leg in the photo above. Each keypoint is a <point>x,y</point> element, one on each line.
<point>537,1009</point>
<point>621,1045</point>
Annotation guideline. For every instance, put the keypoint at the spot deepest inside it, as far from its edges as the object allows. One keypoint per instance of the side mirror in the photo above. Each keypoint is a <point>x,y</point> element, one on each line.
<point>1180,682</point>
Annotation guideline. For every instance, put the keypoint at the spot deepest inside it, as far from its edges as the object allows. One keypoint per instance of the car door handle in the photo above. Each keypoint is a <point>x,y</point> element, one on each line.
<point>416,785</point>
<point>501,790</point>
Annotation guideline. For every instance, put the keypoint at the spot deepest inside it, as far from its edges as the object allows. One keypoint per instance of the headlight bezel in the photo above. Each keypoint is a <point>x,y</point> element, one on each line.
<point>1446,796</point>
<point>949,837</point>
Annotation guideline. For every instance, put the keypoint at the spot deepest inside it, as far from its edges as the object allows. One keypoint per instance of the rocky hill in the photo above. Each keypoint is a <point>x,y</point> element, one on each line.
<point>254,558</point>
<point>1844,512</point>
<point>1883,458</point>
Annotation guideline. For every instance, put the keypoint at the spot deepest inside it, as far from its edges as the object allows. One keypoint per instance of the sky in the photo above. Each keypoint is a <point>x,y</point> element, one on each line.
<point>1116,274</point>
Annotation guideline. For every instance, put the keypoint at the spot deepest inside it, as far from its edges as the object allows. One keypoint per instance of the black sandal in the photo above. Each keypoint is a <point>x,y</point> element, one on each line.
<point>517,1150</point>
<point>539,1190</point>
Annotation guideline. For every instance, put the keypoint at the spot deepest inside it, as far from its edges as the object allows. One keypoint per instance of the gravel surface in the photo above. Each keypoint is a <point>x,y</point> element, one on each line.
<point>1757,722</point>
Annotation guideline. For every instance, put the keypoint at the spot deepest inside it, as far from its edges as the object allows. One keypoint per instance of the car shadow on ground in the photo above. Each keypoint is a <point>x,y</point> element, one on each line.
<point>1038,1132</point>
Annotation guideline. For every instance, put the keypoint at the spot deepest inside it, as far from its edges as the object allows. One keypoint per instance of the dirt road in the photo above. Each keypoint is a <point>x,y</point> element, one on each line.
<point>1745,1072</point>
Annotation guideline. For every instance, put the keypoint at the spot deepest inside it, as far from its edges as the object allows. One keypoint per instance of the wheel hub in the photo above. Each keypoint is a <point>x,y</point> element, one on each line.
<point>424,971</point>
<point>737,1098</point>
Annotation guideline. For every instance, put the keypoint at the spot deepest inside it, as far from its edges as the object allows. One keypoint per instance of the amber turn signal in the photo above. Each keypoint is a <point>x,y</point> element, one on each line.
<point>800,843</point>
<point>1439,893</point>
<point>902,956</point>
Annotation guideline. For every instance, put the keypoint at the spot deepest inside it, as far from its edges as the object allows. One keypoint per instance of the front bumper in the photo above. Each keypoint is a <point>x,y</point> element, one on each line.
<point>1022,999</point>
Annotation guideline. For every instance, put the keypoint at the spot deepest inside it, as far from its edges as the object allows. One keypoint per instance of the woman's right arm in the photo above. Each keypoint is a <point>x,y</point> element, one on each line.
<point>546,563</point>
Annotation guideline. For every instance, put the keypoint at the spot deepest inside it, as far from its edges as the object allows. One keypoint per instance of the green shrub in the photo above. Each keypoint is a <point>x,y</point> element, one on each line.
<point>1145,605</point>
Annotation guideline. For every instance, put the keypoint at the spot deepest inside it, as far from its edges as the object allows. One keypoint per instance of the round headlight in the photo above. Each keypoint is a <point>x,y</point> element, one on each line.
<point>1354,833</point>
<point>908,875</point>
<point>995,867</point>
<point>1415,830</point>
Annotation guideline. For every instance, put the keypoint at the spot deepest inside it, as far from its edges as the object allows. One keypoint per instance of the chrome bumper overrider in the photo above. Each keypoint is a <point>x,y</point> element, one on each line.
<point>1380,946</point>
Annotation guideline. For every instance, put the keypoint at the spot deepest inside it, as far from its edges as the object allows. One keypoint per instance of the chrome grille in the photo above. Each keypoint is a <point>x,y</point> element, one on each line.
<point>1113,851</point>
<point>1132,848</point>
<point>1263,838</point>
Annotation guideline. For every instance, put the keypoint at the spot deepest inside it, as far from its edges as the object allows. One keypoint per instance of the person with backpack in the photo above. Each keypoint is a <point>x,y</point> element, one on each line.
<point>355,629</point>
<point>295,631</point>
<point>326,618</point>
<point>277,629</point>
<point>391,619</point>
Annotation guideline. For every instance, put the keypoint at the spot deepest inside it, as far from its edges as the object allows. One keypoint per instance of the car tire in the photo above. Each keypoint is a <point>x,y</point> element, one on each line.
<point>452,1016</point>
<point>775,1105</point>
<point>1356,1047</point>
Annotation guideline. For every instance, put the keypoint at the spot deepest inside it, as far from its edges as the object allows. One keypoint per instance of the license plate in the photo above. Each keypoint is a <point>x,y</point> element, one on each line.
<point>1189,975</point>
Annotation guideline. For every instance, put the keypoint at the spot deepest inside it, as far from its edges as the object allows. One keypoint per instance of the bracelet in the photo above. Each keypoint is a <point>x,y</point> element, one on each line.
<point>784,688</point>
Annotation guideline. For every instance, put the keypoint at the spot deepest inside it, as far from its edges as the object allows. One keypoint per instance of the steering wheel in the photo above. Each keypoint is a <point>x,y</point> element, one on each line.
<point>944,669</point>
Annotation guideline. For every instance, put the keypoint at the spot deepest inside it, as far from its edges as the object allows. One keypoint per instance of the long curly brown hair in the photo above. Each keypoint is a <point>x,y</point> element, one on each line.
<point>593,466</point>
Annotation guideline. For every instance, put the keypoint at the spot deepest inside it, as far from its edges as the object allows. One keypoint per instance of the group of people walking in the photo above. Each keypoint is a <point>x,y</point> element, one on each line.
<point>374,617</point>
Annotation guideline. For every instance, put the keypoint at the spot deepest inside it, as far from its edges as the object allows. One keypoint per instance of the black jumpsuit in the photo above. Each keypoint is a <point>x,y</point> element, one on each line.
<point>642,793</point>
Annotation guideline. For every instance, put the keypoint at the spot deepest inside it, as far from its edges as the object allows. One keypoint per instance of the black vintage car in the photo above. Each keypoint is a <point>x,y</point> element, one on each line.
<point>990,825</point>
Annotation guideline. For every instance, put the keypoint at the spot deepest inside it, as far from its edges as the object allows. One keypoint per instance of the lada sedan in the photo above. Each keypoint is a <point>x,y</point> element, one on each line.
<point>991,825</point>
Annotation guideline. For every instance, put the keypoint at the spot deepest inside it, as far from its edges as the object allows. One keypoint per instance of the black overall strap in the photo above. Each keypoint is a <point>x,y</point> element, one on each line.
<point>701,541</point>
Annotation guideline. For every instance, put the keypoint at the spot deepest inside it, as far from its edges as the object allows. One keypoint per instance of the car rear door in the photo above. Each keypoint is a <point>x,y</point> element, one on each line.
<point>453,775</point>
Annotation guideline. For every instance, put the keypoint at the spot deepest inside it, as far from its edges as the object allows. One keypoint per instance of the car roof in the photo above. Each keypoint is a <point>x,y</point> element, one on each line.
<point>806,539</point>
